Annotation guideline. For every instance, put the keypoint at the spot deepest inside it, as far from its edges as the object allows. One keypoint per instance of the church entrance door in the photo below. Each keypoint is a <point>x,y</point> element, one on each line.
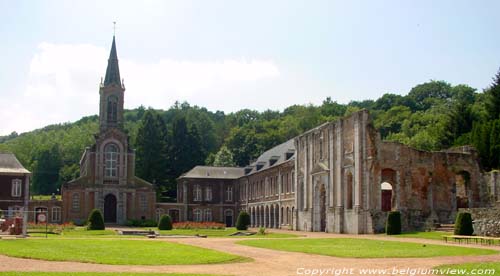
<point>110,209</point>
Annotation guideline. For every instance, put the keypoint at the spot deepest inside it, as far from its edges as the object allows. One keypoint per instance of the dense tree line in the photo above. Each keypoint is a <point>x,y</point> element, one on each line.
<point>432,116</point>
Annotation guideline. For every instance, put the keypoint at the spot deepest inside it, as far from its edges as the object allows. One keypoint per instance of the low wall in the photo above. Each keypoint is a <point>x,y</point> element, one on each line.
<point>486,220</point>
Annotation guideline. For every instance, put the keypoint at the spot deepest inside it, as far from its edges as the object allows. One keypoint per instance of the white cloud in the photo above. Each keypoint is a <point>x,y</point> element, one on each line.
<point>63,84</point>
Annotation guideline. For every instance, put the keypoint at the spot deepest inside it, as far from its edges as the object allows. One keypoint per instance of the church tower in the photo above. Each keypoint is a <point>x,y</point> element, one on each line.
<point>111,94</point>
<point>107,168</point>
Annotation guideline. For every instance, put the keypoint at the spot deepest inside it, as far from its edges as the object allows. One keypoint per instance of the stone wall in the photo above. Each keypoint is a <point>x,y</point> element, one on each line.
<point>486,220</point>
<point>495,185</point>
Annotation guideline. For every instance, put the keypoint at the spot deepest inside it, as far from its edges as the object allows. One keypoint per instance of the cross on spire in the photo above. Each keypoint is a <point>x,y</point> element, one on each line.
<point>114,28</point>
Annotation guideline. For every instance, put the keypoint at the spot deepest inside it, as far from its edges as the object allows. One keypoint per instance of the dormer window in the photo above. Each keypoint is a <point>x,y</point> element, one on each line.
<point>260,165</point>
<point>273,160</point>
<point>289,154</point>
<point>248,170</point>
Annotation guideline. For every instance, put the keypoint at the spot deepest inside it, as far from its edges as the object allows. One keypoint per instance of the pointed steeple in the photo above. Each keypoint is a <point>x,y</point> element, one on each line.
<point>113,71</point>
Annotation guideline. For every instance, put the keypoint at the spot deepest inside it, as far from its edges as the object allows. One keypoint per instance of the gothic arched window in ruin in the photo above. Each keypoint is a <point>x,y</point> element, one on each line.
<point>112,109</point>
<point>111,160</point>
<point>462,182</point>
<point>349,191</point>
<point>386,196</point>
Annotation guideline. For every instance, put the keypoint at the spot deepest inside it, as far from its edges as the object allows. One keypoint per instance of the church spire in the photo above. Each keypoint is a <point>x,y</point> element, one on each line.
<point>113,71</point>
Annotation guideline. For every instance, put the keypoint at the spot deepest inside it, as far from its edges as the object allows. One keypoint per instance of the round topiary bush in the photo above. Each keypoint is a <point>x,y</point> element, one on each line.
<point>96,222</point>
<point>463,224</point>
<point>243,221</point>
<point>393,225</point>
<point>165,223</point>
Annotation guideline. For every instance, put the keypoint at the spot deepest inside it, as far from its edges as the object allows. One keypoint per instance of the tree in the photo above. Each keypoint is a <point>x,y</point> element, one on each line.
<point>224,158</point>
<point>493,98</point>
<point>463,224</point>
<point>165,223</point>
<point>393,225</point>
<point>495,145</point>
<point>427,94</point>
<point>95,221</point>
<point>46,171</point>
<point>243,221</point>
<point>151,149</point>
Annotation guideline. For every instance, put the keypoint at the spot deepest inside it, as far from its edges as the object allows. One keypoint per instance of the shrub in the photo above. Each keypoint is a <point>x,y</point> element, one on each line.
<point>141,223</point>
<point>262,231</point>
<point>243,221</point>
<point>393,225</point>
<point>165,223</point>
<point>96,222</point>
<point>199,225</point>
<point>463,224</point>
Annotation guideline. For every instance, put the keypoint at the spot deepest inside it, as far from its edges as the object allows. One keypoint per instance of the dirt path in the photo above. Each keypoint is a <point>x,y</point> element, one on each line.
<point>266,262</point>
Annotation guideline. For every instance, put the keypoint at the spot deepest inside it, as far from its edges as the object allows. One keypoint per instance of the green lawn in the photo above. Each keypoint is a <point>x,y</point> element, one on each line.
<point>13,273</point>
<point>219,233</point>
<point>364,248</point>
<point>82,232</point>
<point>433,235</point>
<point>106,251</point>
<point>471,268</point>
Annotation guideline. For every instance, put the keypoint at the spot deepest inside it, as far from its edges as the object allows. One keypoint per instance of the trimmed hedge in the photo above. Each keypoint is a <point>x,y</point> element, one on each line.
<point>243,221</point>
<point>96,221</point>
<point>393,225</point>
<point>463,224</point>
<point>165,223</point>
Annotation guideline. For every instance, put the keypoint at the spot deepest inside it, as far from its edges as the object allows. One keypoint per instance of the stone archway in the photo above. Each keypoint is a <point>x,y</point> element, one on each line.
<point>110,208</point>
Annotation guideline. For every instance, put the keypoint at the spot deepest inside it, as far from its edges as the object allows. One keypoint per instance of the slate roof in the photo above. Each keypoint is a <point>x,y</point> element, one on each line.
<point>277,156</point>
<point>214,172</point>
<point>112,71</point>
<point>10,165</point>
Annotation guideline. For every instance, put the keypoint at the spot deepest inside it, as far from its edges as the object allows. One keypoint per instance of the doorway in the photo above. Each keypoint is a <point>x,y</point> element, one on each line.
<point>110,208</point>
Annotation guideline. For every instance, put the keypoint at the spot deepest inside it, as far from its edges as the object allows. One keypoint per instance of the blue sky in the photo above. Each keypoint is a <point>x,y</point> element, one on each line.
<point>229,55</point>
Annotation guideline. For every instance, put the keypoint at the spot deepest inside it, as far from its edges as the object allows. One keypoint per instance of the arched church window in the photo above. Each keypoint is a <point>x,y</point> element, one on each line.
<point>112,109</point>
<point>111,160</point>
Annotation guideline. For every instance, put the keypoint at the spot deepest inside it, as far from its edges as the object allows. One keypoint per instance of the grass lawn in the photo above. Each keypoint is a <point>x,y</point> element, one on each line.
<point>219,233</point>
<point>364,248</point>
<point>433,235</point>
<point>106,251</point>
<point>14,273</point>
<point>82,232</point>
<point>467,268</point>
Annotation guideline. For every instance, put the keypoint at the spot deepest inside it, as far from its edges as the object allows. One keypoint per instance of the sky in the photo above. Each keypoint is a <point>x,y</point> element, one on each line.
<point>230,55</point>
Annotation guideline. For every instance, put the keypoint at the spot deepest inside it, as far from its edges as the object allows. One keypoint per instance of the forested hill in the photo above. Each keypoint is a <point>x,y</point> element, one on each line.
<point>432,116</point>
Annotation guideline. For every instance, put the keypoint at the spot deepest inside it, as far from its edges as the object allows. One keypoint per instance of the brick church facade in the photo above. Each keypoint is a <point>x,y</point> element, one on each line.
<point>107,168</point>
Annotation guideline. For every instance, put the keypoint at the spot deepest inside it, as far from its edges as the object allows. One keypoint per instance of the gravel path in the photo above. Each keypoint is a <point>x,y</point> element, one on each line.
<point>266,262</point>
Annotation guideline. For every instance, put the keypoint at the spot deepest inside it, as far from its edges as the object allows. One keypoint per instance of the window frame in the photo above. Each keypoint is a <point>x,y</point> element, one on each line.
<point>16,188</point>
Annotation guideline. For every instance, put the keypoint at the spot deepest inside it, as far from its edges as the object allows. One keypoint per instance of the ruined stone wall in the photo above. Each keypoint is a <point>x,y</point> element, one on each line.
<point>486,220</point>
<point>495,185</point>
<point>428,187</point>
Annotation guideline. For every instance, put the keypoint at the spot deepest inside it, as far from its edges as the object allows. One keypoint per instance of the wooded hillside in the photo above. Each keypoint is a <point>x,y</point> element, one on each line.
<point>432,116</point>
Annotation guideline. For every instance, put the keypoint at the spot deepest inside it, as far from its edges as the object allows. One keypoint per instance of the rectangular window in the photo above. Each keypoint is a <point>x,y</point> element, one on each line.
<point>208,194</point>
<point>197,193</point>
<point>16,187</point>
<point>56,214</point>
<point>229,194</point>
<point>144,202</point>
<point>208,215</point>
<point>75,202</point>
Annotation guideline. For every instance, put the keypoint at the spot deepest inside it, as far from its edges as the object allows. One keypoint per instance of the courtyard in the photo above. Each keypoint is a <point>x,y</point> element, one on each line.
<point>288,253</point>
